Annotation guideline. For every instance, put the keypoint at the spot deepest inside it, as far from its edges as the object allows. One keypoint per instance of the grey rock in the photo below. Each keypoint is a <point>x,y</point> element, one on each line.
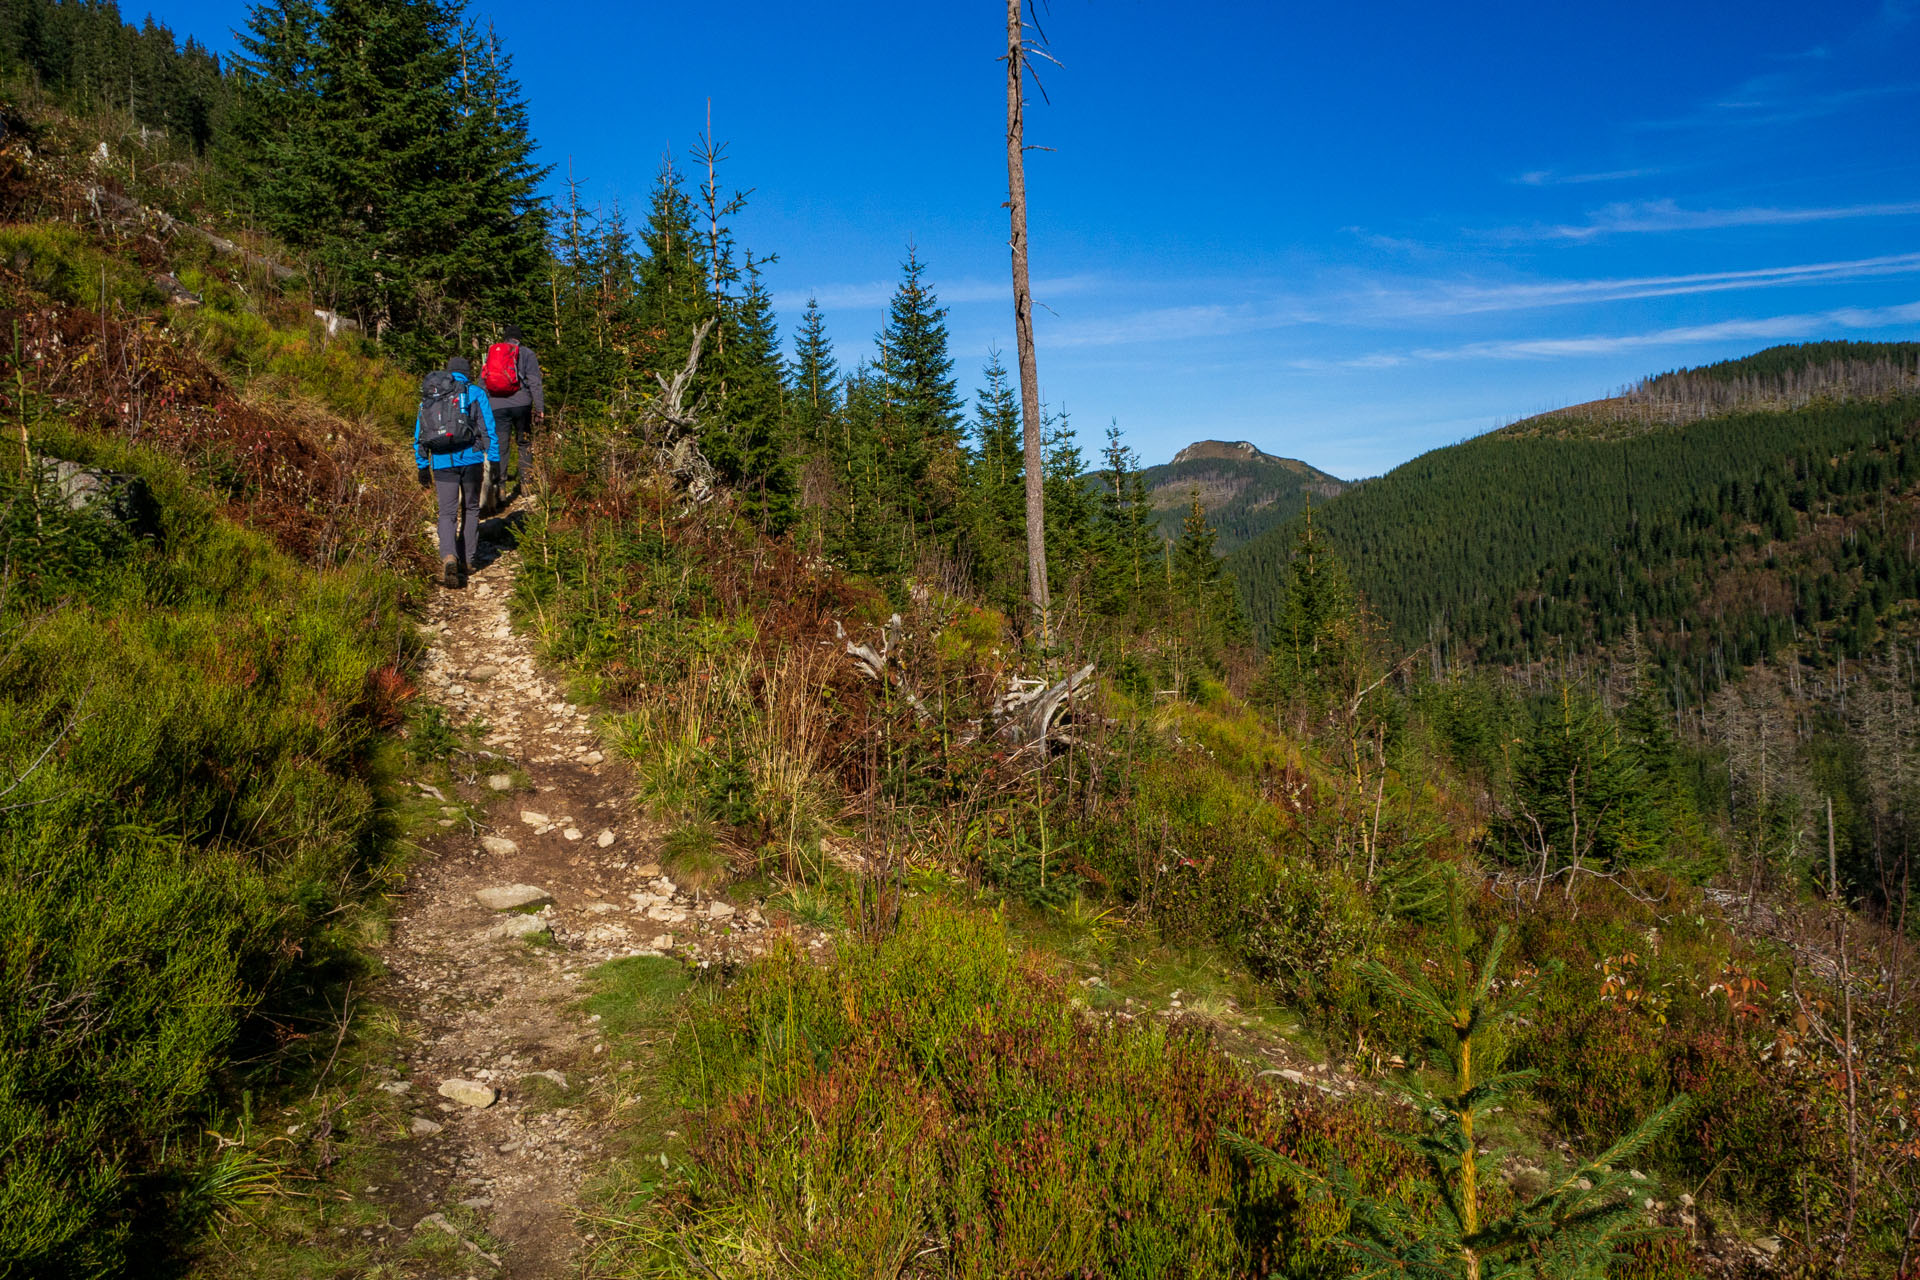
<point>499,846</point>
<point>533,819</point>
<point>398,1088</point>
<point>424,1128</point>
<point>519,927</point>
<point>484,672</point>
<point>604,839</point>
<point>121,497</point>
<point>501,782</point>
<point>513,897</point>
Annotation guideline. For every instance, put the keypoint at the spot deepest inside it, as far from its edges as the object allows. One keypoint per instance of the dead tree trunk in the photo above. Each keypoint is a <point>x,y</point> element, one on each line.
<point>1023,317</point>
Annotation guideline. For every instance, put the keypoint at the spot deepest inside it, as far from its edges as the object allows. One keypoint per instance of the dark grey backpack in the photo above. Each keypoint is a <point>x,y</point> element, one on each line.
<point>445,424</point>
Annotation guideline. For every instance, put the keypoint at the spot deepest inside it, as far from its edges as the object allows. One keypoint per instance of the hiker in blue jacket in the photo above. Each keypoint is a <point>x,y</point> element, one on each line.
<point>454,441</point>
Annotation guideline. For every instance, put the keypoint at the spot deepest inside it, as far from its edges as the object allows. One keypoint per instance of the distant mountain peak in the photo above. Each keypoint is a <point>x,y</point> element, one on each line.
<point>1242,488</point>
<point>1238,450</point>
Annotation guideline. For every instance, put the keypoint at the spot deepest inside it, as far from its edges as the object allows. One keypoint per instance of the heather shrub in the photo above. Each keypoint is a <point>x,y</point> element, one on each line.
<point>187,743</point>
<point>1768,1134</point>
<point>937,1098</point>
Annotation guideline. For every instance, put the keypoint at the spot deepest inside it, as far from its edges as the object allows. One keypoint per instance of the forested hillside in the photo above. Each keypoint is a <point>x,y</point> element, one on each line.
<point>1726,527</point>
<point>892,926</point>
<point>1243,491</point>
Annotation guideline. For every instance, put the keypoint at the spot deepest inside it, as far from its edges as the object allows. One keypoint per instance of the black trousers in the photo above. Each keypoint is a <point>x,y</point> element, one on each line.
<point>514,425</point>
<point>457,490</point>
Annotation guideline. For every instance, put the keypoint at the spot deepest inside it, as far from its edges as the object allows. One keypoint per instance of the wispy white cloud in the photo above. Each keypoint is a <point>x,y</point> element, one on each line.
<point>1775,98</point>
<point>1783,328</point>
<point>1554,178</point>
<point>1165,324</point>
<point>1646,216</point>
<point>1420,301</point>
<point>873,294</point>
<point>1392,244</point>
<point>1455,298</point>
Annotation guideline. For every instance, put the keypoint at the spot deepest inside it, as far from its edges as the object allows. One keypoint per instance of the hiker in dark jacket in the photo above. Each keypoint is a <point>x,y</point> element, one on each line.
<point>511,376</point>
<point>454,438</point>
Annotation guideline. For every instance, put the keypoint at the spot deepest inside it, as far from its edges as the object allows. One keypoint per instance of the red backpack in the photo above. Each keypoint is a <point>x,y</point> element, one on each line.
<point>500,375</point>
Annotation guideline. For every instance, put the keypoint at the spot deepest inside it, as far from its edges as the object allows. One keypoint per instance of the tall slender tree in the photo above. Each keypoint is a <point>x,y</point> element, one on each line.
<point>1016,59</point>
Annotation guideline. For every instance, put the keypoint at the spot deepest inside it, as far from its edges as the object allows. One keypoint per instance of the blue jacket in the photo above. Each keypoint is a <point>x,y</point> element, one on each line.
<point>475,402</point>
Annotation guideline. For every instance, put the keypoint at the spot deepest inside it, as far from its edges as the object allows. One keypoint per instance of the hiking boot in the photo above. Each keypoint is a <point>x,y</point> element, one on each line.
<point>450,575</point>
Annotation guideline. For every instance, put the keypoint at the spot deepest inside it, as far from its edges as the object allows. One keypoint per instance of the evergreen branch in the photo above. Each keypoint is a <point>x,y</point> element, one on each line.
<point>1646,1134</point>
<point>1262,1157</point>
<point>1422,998</point>
<point>1491,964</point>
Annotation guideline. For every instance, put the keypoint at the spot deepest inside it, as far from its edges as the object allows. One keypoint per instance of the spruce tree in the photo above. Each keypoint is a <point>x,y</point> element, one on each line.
<point>674,299</point>
<point>491,268</point>
<point>1317,645</point>
<point>274,153</point>
<point>747,443</point>
<point>1126,516</point>
<point>815,378</point>
<point>594,313</point>
<point>996,489</point>
<point>1570,1231</point>
<point>871,534</point>
<point>386,139</point>
<point>920,425</point>
<point>1196,565</point>
<point>1577,797</point>
<point>1072,531</point>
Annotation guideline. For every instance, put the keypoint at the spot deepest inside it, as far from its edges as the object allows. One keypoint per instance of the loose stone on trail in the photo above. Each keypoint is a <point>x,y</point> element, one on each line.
<point>469,1092</point>
<point>604,839</point>
<point>513,897</point>
<point>424,1128</point>
<point>533,819</point>
<point>499,846</point>
<point>501,782</point>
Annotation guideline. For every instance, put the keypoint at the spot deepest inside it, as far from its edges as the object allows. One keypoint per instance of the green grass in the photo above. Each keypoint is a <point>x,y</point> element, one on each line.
<point>692,856</point>
<point>60,261</point>
<point>192,751</point>
<point>639,1003</point>
<point>936,1096</point>
<point>341,372</point>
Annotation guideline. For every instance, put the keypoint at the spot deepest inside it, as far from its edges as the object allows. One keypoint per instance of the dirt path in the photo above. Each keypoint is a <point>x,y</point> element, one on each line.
<point>490,996</point>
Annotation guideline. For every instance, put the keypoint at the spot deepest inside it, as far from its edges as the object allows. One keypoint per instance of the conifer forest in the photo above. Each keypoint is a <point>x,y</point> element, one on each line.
<point>850,818</point>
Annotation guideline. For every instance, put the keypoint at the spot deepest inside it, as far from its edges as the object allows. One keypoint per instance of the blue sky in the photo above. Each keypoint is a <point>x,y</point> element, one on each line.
<point>1347,233</point>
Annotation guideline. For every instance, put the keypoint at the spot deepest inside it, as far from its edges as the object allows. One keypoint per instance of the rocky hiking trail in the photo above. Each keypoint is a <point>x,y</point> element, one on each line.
<point>501,920</point>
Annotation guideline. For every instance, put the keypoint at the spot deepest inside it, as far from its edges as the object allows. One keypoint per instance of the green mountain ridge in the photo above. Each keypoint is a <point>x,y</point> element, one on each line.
<point>1722,512</point>
<point>1244,490</point>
